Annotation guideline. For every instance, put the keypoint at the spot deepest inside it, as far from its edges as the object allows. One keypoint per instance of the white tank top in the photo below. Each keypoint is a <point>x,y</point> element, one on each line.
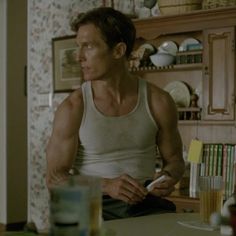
<point>111,146</point>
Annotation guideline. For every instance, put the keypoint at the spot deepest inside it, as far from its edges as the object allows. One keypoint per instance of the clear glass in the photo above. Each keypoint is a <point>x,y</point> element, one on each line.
<point>69,213</point>
<point>211,196</point>
<point>95,199</point>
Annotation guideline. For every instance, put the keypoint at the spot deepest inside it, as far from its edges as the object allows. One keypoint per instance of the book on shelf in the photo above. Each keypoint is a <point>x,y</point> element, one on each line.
<point>206,157</point>
<point>224,168</point>
<point>194,179</point>
<point>230,171</point>
<point>195,158</point>
<point>213,159</point>
<point>220,159</point>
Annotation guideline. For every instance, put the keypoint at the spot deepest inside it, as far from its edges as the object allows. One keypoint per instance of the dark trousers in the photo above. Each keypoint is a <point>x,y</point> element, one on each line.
<point>116,209</point>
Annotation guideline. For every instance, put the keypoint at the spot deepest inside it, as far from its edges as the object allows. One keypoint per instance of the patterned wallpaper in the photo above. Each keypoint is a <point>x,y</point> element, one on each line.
<point>46,19</point>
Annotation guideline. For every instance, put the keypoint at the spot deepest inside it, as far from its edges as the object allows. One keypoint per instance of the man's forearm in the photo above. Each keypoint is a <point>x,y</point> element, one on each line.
<point>56,178</point>
<point>175,169</point>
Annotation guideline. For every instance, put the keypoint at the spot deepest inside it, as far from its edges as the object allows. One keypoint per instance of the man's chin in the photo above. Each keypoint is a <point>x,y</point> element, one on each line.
<point>91,78</point>
<point>88,79</point>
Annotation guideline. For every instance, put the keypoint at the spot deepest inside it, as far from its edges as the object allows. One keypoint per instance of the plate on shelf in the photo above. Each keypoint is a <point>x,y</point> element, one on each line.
<point>187,42</point>
<point>169,47</point>
<point>148,46</point>
<point>180,93</point>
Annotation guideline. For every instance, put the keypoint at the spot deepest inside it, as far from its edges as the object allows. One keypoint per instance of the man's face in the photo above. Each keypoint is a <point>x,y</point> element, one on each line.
<point>94,56</point>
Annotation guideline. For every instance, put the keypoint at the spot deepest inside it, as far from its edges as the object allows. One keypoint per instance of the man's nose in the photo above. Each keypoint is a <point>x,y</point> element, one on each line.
<point>79,54</point>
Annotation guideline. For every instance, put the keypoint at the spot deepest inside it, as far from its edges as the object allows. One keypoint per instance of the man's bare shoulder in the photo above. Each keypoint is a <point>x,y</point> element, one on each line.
<point>71,104</point>
<point>159,95</point>
<point>74,100</point>
<point>161,104</point>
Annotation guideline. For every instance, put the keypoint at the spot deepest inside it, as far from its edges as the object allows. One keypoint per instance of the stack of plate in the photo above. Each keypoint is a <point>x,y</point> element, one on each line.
<point>190,44</point>
<point>180,93</point>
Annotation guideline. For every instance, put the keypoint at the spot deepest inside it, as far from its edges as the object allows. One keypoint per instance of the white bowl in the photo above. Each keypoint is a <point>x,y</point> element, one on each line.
<point>162,59</point>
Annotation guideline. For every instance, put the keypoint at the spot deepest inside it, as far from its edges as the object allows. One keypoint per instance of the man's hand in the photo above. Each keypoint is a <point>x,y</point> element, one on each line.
<point>163,188</point>
<point>125,188</point>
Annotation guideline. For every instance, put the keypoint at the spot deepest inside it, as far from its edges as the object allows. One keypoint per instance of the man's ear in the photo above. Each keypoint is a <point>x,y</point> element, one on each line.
<point>119,50</point>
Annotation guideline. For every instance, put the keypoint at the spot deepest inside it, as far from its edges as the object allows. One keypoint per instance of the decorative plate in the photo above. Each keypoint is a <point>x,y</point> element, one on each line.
<point>189,41</point>
<point>180,93</point>
<point>169,47</point>
<point>149,47</point>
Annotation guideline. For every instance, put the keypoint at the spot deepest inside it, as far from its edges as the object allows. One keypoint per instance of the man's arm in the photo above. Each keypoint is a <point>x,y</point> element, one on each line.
<point>169,142</point>
<point>63,143</point>
<point>168,138</point>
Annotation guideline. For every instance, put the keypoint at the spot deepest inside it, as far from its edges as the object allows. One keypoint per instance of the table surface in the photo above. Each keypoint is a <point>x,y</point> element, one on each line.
<point>153,225</point>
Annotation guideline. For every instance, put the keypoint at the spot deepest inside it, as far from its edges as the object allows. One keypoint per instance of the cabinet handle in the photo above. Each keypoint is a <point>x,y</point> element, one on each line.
<point>206,70</point>
<point>233,99</point>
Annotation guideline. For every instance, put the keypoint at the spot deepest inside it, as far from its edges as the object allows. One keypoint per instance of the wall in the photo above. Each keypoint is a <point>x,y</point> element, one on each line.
<point>16,111</point>
<point>2,111</point>
<point>46,20</point>
<point>13,110</point>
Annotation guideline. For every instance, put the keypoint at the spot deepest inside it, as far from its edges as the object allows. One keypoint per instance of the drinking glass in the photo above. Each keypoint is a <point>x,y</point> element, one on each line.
<point>95,200</point>
<point>211,196</point>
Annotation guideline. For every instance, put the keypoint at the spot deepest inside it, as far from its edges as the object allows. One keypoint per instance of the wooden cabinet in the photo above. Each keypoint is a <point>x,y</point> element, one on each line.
<point>214,79</point>
<point>219,74</point>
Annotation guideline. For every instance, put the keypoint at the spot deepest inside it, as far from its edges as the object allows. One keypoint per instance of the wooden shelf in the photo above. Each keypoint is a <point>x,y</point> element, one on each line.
<point>187,22</point>
<point>206,123</point>
<point>179,67</point>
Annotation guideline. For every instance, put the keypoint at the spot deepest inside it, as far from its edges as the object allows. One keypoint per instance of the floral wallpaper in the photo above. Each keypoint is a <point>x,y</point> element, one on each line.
<point>46,19</point>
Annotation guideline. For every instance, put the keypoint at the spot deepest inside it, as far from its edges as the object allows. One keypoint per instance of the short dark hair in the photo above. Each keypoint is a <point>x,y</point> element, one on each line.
<point>114,26</point>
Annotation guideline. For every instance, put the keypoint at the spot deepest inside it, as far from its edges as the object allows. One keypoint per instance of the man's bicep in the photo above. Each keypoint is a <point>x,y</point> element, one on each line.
<point>60,158</point>
<point>64,139</point>
<point>169,142</point>
<point>62,146</point>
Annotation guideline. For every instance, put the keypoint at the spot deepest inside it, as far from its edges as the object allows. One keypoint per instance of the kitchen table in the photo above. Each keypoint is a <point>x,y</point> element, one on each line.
<point>156,225</point>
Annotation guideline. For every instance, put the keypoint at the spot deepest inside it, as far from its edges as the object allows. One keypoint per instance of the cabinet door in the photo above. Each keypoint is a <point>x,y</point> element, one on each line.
<point>219,74</point>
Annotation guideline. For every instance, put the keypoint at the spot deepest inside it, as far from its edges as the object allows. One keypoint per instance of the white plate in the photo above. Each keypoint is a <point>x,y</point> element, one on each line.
<point>184,45</point>
<point>169,47</point>
<point>180,93</point>
<point>149,47</point>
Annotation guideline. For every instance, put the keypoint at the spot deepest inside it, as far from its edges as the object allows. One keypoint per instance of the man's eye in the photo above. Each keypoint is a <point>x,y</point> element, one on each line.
<point>89,46</point>
<point>84,47</point>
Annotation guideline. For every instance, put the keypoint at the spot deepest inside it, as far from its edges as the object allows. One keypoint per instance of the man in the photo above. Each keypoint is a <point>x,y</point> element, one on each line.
<point>112,125</point>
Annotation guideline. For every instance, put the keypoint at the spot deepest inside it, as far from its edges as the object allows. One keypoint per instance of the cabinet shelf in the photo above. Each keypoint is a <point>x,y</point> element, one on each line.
<point>179,67</point>
<point>215,29</point>
<point>189,113</point>
<point>206,123</point>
